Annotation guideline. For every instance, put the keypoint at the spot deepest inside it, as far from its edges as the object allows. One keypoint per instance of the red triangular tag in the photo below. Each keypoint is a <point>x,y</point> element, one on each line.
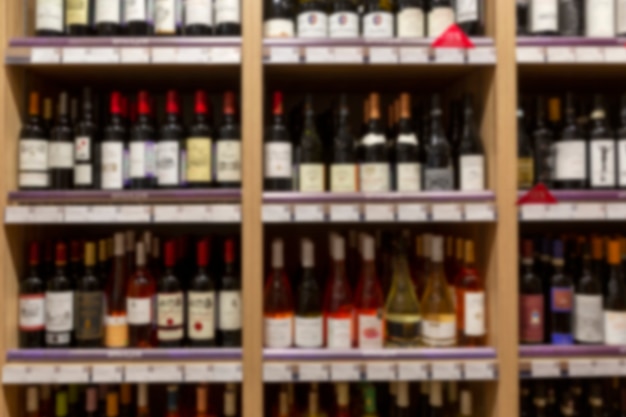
<point>453,37</point>
<point>539,194</point>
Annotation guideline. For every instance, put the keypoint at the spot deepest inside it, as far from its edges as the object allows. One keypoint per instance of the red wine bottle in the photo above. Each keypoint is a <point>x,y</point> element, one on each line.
<point>228,147</point>
<point>168,147</point>
<point>201,301</point>
<point>142,163</point>
<point>170,318</point>
<point>32,303</point>
<point>199,145</point>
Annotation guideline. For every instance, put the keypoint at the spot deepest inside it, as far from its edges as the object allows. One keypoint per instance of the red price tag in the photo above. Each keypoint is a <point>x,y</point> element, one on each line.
<point>453,37</point>
<point>539,194</point>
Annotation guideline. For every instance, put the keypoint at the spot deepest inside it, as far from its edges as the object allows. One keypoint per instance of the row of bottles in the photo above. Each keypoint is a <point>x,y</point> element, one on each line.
<point>572,290</point>
<point>122,148</point>
<point>370,19</point>
<point>131,401</point>
<point>589,18</point>
<point>316,155</point>
<point>578,151</point>
<point>137,18</point>
<point>122,292</point>
<point>438,301</point>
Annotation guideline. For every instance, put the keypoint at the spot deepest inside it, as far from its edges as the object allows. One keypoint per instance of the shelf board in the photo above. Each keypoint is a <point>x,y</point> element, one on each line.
<point>426,354</point>
<point>155,354</point>
<point>577,205</point>
<point>125,196</point>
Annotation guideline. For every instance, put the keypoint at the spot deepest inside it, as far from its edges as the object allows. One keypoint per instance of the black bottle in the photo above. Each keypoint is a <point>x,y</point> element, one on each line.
<point>61,156</point>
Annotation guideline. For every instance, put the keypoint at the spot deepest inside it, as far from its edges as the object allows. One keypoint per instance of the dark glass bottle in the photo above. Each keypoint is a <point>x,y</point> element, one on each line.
<point>227,18</point>
<point>278,19</point>
<point>542,137</point>
<point>469,16</point>
<point>521,13</point>
<point>343,167</point>
<point>596,401</point>
<point>171,136</point>
<point>108,19</point>
<point>170,302</point>
<point>374,171</point>
<point>197,19</point>
<point>308,312</point>
<point>199,144</point>
<point>32,303</point>
<point>311,165</point>
<point>229,300</point>
<point>112,147</point>
<point>570,170</point>
<point>142,158</point>
<point>436,399</point>
<point>602,155</point>
<point>621,145</point>
<point>615,301</point>
<point>89,302</point>
<point>471,153</point>
<point>60,303</point>
<point>570,17</point>
<point>137,20</point>
<point>228,147</point>
<point>33,159</point>
<point>85,145</point>
<point>438,171</point>
<point>405,151</point>
<point>525,160</point>
<point>61,151</point>
<point>278,174</point>
<point>140,294</point>
<point>201,301</point>
<point>588,304</point>
<point>532,315</point>
<point>561,300</point>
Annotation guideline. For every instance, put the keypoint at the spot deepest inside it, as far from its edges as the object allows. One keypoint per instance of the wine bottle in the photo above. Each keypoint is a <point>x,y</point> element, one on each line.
<point>201,401</point>
<point>312,21</point>
<point>199,144</point>
<point>278,20</point>
<point>198,18</point>
<point>343,169</point>
<point>142,159</point>
<point>170,302</point>
<point>368,391</point>
<point>112,147</point>
<point>32,402</point>
<point>85,145</point>
<point>278,150</point>
<point>532,316</point>
<point>469,17</point>
<point>47,114</point>
<point>143,409</point>
<point>410,19</point>
<point>125,400</point>
<point>278,308</point>
<point>129,250</point>
<point>308,322</point>
<point>620,19</point>
<point>32,303</point>
<point>542,138</point>
<point>59,303</point>
<point>343,21</point>
<point>338,303</point>
<point>33,149</point>
<point>138,17</point>
<point>543,17</point>
<point>229,300</point>
<point>343,399</point>
<point>78,16</point>
<point>230,401</point>
<point>471,152</point>
<point>108,17</point>
<point>525,161</point>
<point>615,302</point>
<point>167,17</point>
<point>89,303</point>
<point>61,148</point>
<point>311,167</point>
<point>116,323</point>
<point>599,19</point>
<point>49,18</point>
<point>436,399</point>
<point>588,305</point>
<point>228,146</point>
<point>140,293</point>
<point>406,155</point>
<point>570,18</point>
<point>602,158</point>
<point>168,153</point>
<point>470,302</point>
<point>377,19</point>
<point>227,18</point>
<point>369,300</point>
<point>621,141</point>
<point>283,405</point>
<point>401,402</point>
<point>201,301</point>
<point>465,409</point>
<point>60,404</point>
<point>440,17</point>
<point>438,172</point>
<point>561,294</point>
<point>374,163</point>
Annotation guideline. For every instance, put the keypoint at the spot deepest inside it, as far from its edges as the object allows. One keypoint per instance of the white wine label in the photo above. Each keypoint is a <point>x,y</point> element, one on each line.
<point>228,161</point>
<point>602,162</point>
<point>83,174</point>
<point>411,23</point>
<point>32,312</point>
<point>229,310</point>
<point>59,311</point>
<point>472,169</point>
<point>108,11</point>
<point>466,10</point>
<point>312,177</point>
<point>544,15</point>
<point>33,154</point>
<point>344,25</point>
<point>614,327</point>
<point>339,334</point>
<point>278,28</point>
<point>309,332</point>
<point>600,18</point>
<point>474,323</point>
<point>343,178</point>
<point>439,19</point>
<point>49,15</point>
<point>82,148</point>
<point>571,160</point>
<point>312,25</point>
<point>111,164</point>
<point>170,316</point>
<point>408,176</point>
<point>135,11</point>
<point>61,155</point>
<point>374,177</point>
<point>588,318</point>
<point>378,25</point>
<point>33,179</point>
<point>198,12</point>
<point>440,332</point>
<point>278,161</point>
<point>201,314</point>
<point>227,11</point>
<point>167,162</point>
<point>621,161</point>
<point>278,332</point>
<point>76,12</point>
<point>370,331</point>
<point>438,179</point>
<point>621,17</point>
<point>137,160</point>
<point>139,310</point>
<point>165,16</point>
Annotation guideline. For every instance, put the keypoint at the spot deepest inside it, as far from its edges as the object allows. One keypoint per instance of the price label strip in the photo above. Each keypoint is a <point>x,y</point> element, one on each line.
<point>107,374</point>
<point>479,371</point>
<point>545,369</point>
<point>412,371</point>
<point>71,374</point>
<point>345,372</point>
<point>380,371</point>
<point>277,372</point>
<point>446,371</point>
<point>309,212</point>
<point>580,367</point>
<point>345,213</point>
<point>312,372</point>
<point>412,212</point>
<point>276,213</point>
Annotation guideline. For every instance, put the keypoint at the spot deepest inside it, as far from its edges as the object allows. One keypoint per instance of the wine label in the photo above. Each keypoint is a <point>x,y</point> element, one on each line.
<point>59,311</point>
<point>229,313</point>
<point>343,178</point>
<point>600,18</point>
<point>167,162</point>
<point>466,11</point>
<point>33,179</point>
<point>135,10</point>
<point>402,333</point>
<point>525,172</point>
<point>201,315</point>
<point>614,327</point>
<point>199,159</point>
<point>339,333</point>
<point>344,25</point>
<point>49,15</point>
<point>602,163</point>
<point>227,11</point>
<point>472,169</point>
<point>621,161</point>
<point>278,332</point>
<point>571,160</point>
<point>408,176</point>
<point>228,156</point>
<point>312,25</point>
<point>621,17</point>
<point>378,25</point>
<point>439,330</point>
<point>438,179</point>
<point>278,161</point>
<point>170,316</point>
<point>278,28</point>
<point>198,12</point>
<point>33,154</point>
<point>89,315</point>
<point>115,331</point>
<point>83,174</point>
<point>82,148</point>
<point>312,177</point>
<point>309,332</point>
<point>410,23</point>
<point>112,165</point>
<point>544,15</point>
<point>165,16</point>
<point>61,155</point>
<point>532,318</point>
<point>137,161</point>
<point>370,332</point>
<point>474,317</point>
<point>108,11</point>
<point>439,19</point>
<point>374,177</point>
<point>32,312</point>
<point>588,318</point>
<point>139,310</point>
<point>561,299</point>
<point>76,12</point>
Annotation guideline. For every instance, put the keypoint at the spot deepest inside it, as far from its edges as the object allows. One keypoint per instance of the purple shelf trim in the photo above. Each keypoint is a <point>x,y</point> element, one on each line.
<point>569,351</point>
<point>133,196</point>
<point>384,354</point>
<point>68,355</point>
<point>174,41</point>
<point>393,197</point>
<point>585,195</point>
<point>478,41</point>
<point>569,41</point>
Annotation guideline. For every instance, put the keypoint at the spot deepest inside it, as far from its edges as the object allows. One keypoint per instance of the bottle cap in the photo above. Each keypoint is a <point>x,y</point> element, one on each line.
<point>419,246</point>
<point>460,248</point>
<point>91,400</point>
<point>405,106</point>
<point>32,400</point>
<point>126,394</point>
<point>614,252</point>
<point>554,107</point>
<point>140,254</point>
<point>229,250</point>
<point>171,103</point>
<point>466,403</point>
<point>313,402</point>
<point>343,394</point>
<point>112,404</point>
<point>230,403</point>
<point>118,244</point>
<point>61,254</point>
<point>527,248</point>
<point>277,253</point>
<point>33,104</point>
<point>229,102</point>
<point>75,250</point>
<point>557,249</point>
<point>62,104</point>
<point>307,253</point>
<point>45,392</point>
<point>437,249</point>
<point>338,247</point>
<point>283,407</point>
<point>33,254</point>
<point>116,103</point>
<point>453,391</point>
<point>143,102</point>
<point>200,106</point>
<point>367,247</point>
<point>61,403</point>
<point>435,394</point>
<point>424,388</point>
<point>170,253</point>
<point>402,396</point>
<point>90,254</point>
<point>201,398</point>
<point>374,106</point>
<point>469,251</point>
<point>147,241</point>
<point>172,397</point>
<point>393,388</point>
<point>202,252</point>
<point>277,103</point>
<point>428,246</point>
<point>130,240</point>
<point>142,395</point>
